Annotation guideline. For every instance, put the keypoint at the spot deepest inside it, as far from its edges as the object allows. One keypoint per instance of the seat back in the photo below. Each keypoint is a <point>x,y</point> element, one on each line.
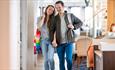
<point>82,45</point>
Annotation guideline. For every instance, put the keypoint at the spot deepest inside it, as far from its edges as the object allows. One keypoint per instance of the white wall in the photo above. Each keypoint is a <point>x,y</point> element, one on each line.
<point>14,34</point>
<point>30,53</point>
<point>24,36</point>
<point>30,22</point>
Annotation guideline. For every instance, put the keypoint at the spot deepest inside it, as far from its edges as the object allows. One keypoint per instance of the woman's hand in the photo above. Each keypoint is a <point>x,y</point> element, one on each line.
<point>40,21</point>
<point>43,16</point>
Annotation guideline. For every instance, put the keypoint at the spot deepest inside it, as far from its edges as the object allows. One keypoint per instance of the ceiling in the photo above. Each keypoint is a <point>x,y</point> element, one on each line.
<point>66,2</point>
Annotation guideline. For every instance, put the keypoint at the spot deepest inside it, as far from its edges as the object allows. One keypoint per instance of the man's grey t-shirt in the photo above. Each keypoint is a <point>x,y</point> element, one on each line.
<point>63,30</point>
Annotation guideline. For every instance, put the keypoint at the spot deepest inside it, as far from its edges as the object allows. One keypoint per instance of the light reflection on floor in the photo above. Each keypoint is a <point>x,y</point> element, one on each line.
<point>39,62</point>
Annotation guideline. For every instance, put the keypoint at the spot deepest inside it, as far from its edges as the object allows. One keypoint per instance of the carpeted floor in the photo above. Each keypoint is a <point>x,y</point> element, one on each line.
<point>82,66</point>
<point>40,63</point>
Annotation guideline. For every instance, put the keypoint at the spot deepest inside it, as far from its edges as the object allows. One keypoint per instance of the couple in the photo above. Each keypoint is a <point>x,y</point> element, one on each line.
<point>53,32</point>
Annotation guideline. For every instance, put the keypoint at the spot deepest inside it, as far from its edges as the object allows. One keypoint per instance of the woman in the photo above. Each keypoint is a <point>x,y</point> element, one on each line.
<point>44,25</point>
<point>112,28</point>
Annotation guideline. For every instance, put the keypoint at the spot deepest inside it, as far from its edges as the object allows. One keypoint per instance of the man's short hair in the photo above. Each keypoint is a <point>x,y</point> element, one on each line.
<point>60,2</point>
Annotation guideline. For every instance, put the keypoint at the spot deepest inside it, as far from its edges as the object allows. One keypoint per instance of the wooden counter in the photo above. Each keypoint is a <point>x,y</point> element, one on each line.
<point>105,56</point>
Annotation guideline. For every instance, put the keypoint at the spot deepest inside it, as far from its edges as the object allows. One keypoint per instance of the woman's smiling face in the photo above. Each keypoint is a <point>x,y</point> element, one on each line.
<point>50,10</point>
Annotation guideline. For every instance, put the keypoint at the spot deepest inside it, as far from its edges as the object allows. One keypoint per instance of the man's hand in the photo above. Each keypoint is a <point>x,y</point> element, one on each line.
<point>54,44</point>
<point>70,26</point>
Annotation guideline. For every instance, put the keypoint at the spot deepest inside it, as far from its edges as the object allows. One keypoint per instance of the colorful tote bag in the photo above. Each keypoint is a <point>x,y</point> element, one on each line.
<point>37,37</point>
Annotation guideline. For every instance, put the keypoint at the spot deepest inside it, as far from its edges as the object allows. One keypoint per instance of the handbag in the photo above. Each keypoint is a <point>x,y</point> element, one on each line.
<point>71,35</point>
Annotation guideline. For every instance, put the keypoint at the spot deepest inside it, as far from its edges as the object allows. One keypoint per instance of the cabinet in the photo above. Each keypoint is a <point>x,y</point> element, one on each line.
<point>104,60</point>
<point>99,60</point>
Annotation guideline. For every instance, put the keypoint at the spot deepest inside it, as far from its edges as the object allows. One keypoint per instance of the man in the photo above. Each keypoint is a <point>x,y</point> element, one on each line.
<point>59,30</point>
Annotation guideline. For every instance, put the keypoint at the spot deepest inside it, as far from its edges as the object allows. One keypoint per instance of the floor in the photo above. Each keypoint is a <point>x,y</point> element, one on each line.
<point>36,63</point>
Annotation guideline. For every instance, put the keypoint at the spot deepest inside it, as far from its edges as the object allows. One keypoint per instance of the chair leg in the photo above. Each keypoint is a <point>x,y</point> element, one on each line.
<point>78,62</point>
<point>74,57</point>
<point>90,68</point>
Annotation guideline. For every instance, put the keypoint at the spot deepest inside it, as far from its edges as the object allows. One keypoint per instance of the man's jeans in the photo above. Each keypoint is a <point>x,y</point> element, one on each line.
<point>48,54</point>
<point>62,50</point>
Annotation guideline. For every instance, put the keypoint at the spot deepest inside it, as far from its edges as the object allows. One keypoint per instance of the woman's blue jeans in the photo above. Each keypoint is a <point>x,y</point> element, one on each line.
<point>48,54</point>
<point>65,50</point>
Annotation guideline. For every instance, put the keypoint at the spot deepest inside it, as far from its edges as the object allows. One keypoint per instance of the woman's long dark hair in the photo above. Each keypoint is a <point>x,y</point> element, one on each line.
<point>111,27</point>
<point>51,17</point>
